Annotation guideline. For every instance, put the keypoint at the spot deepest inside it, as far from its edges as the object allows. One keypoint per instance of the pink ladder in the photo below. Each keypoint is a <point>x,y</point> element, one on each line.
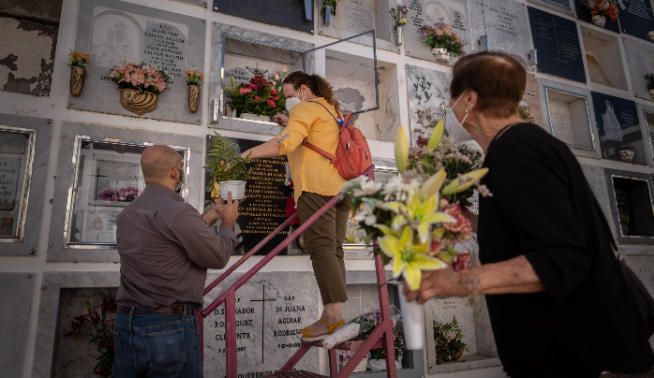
<point>381,336</point>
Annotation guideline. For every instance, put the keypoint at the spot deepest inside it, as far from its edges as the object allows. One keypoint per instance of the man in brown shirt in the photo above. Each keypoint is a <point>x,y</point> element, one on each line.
<point>165,248</point>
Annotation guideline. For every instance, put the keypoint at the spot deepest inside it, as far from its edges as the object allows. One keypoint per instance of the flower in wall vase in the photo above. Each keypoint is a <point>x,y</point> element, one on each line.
<point>599,20</point>
<point>441,55</point>
<point>77,79</point>
<point>194,94</point>
<point>138,102</point>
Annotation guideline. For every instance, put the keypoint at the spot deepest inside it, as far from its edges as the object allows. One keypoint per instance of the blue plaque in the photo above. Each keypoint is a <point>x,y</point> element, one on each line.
<point>618,128</point>
<point>292,14</point>
<point>557,42</point>
<point>583,13</point>
<point>636,18</point>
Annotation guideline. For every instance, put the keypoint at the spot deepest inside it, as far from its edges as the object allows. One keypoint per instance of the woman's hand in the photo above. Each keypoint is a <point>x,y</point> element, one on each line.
<point>281,119</point>
<point>438,283</point>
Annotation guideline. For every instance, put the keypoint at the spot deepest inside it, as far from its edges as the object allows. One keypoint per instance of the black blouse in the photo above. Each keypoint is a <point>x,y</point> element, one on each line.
<point>542,207</point>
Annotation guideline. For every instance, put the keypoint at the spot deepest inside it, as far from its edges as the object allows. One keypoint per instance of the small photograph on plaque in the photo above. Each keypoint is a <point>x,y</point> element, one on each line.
<point>29,32</point>
<point>619,130</point>
<point>108,178</point>
<point>603,13</point>
<point>632,196</point>
<point>267,196</point>
<point>648,115</point>
<point>636,18</point>
<point>604,64</point>
<point>16,155</point>
<point>569,118</point>
<point>557,42</point>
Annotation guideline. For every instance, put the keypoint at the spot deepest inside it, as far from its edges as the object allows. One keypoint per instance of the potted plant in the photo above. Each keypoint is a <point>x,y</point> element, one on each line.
<point>259,99</point>
<point>650,83</point>
<point>399,14</point>
<point>377,357</point>
<point>448,339</point>
<point>444,42</point>
<point>77,62</point>
<point>228,170</point>
<point>193,83</point>
<point>416,217</point>
<point>600,10</point>
<point>139,85</point>
<point>328,10</point>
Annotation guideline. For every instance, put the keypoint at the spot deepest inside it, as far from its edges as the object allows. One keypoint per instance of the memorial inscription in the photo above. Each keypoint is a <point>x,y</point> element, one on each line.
<point>504,24</point>
<point>636,18</point>
<point>557,42</point>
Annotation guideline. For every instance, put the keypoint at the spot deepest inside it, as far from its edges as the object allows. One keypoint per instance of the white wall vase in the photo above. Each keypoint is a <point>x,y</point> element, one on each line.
<point>413,322</point>
<point>599,20</point>
<point>441,55</point>
<point>399,35</point>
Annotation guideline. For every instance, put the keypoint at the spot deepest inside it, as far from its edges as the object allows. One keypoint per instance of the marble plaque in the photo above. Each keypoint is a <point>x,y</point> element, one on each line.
<point>27,54</point>
<point>583,13</point>
<point>271,311</point>
<point>640,60</point>
<point>563,6</point>
<point>429,12</point>
<point>557,42</point>
<point>604,65</point>
<point>427,91</point>
<point>618,127</point>
<point>636,18</point>
<point>16,291</point>
<point>354,80</point>
<point>381,124</point>
<point>76,355</point>
<point>116,33</point>
<point>505,25</point>
<point>443,310</point>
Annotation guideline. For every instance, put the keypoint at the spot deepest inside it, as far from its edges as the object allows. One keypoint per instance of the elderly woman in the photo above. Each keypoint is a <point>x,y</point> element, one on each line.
<point>558,302</point>
<point>314,116</point>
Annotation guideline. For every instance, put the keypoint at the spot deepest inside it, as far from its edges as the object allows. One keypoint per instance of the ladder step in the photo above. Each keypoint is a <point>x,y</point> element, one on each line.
<point>296,374</point>
<point>348,345</point>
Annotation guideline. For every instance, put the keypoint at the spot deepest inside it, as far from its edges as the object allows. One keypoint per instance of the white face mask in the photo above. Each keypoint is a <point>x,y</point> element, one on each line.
<point>454,127</point>
<point>291,102</point>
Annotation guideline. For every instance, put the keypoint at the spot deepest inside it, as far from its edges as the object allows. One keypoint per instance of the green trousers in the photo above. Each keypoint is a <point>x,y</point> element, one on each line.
<point>323,240</point>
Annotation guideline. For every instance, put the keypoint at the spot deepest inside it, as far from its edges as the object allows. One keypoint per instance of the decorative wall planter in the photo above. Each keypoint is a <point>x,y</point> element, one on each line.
<point>138,102</point>
<point>77,79</point>
<point>194,95</point>
<point>399,35</point>
<point>441,55</point>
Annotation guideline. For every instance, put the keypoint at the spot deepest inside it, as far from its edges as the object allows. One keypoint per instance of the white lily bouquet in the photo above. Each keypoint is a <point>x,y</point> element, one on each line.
<point>416,218</point>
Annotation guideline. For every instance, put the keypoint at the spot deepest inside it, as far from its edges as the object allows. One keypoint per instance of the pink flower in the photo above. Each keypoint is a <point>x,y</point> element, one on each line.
<point>257,98</point>
<point>461,261</point>
<point>272,104</point>
<point>461,225</point>
<point>244,91</point>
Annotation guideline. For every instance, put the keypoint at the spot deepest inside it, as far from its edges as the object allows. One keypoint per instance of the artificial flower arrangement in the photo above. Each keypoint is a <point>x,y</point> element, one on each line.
<point>77,60</point>
<point>448,340</point>
<point>139,85</point>
<point>127,194</point>
<point>260,96</point>
<point>416,217</point>
<point>193,84</point>
<point>600,10</point>
<point>444,42</point>
<point>399,14</point>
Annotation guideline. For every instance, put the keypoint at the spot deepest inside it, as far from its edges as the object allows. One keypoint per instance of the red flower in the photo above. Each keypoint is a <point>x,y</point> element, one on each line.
<point>252,86</point>
<point>274,92</point>
<point>435,247</point>
<point>462,260</point>
<point>274,98</point>
<point>245,91</point>
<point>257,98</point>
<point>272,104</point>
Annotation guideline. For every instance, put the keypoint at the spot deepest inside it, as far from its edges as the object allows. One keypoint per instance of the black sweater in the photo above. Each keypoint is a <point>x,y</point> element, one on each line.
<point>542,207</point>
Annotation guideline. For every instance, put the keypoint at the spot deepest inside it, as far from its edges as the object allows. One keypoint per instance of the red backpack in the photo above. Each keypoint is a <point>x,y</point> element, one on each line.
<point>353,157</point>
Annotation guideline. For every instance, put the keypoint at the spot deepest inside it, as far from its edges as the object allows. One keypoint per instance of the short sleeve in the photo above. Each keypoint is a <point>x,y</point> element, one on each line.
<point>297,128</point>
<point>529,178</point>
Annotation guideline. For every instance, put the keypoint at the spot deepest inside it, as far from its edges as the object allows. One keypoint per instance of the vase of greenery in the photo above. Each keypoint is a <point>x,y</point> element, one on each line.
<point>399,14</point>
<point>444,42</point>
<point>229,171</point>
<point>448,340</point>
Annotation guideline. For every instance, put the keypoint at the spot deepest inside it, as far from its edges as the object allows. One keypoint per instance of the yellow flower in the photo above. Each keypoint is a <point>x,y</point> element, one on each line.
<point>463,182</point>
<point>401,149</point>
<point>436,136</point>
<point>409,259</point>
<point>420,212</point>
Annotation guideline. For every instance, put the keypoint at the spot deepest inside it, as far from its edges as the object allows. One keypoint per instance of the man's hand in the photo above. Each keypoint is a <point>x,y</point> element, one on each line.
<point>228,212</point>
<point>281,119</point>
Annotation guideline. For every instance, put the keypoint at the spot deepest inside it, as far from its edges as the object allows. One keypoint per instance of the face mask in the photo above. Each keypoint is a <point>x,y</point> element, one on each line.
<point>454,127</point>
<point>180,182</point>
<point>291,102</point>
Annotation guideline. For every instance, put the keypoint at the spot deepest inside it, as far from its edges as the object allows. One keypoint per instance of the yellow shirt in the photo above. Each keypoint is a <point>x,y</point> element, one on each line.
<point>310,171</point>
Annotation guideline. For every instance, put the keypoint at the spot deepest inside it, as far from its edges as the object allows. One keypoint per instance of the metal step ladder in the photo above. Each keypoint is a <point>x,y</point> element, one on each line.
<point>381,336</point>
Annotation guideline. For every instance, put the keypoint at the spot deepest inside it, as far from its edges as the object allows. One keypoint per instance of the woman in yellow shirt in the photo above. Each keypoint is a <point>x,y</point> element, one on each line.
<point>313,114</point>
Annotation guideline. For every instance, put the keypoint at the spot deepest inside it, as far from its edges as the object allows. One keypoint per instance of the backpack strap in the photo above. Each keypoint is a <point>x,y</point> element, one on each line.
<point>339,121</point>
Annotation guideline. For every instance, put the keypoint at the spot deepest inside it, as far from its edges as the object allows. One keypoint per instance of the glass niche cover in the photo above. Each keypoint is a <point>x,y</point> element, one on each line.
<point>634,207</point>
<point>253,73</point>
<point>108,177</point>
<point>16,157</point>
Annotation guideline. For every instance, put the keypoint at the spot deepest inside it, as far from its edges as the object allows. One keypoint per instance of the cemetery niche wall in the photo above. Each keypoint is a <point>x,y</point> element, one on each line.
<point>640,60</point>
<point>427,93</point>
<point>632,206</point>
<point>116,33</point>
<point>29,29</point>
<point>562,6</point>
<point>604,65</point>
